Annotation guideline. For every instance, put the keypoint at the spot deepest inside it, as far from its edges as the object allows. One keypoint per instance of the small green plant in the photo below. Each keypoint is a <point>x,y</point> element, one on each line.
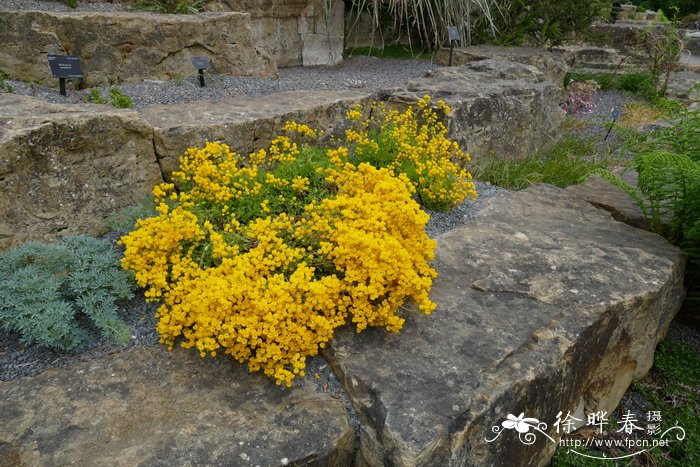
<point>72,3</point>
<point>663,48</point>
<point>4,87</point>
<point>565,164</point>
<point>170,6</point>
<point>116,98</point>
<point>95,97</point>
<point>46,290</point>
<point>119,100</point>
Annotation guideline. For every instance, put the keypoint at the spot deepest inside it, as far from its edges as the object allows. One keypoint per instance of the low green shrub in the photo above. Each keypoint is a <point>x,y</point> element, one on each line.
<point>95,96</point>
<point>119,100</point>
<point>116,98</point>
<point>45,290</point>
<point>637,82</point>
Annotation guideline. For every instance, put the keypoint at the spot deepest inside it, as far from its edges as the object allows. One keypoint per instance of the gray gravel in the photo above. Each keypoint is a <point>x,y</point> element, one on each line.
<point>361,73</point>
<point>60,5</point>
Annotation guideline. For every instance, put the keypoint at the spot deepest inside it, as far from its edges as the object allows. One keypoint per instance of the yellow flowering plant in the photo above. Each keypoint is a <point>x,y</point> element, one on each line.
<point>415,143</point>
<point>263,257</point>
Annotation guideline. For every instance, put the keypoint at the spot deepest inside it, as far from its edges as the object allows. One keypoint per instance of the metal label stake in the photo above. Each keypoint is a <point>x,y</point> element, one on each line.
<point>614,114</point>
<point>63,67</point>
<point>201,64</point>
<point>454,36</point>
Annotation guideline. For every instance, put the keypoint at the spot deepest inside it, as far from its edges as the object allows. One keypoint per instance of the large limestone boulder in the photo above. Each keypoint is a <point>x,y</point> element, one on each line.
<point>545,304</point>
<point>551,64</point>
<point>498,106</point>
<point>151,407</point>
<point>121,47</point>
<point>65,168</point>
<point>246,125</point>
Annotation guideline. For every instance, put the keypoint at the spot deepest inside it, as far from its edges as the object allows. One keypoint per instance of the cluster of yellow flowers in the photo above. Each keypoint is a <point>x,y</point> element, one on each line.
<point>414,142</point>
<point>263,257</point>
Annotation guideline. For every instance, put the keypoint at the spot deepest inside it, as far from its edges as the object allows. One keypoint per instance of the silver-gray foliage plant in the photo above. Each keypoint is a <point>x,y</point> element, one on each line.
<point>44,290</point>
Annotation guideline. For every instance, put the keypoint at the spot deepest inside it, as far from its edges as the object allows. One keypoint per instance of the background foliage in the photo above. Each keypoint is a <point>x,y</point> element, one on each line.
<point>506,22</point>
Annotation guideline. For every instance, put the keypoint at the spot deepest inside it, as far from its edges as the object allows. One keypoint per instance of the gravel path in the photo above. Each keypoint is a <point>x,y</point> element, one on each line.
<point>362,73</point>
<point>60,6</point>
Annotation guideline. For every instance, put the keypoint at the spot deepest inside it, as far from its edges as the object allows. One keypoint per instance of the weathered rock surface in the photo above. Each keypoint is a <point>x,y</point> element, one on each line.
<point>126,47</point>
<point>551,64</point>
<point>597,58</point>
<point>616,201</point>
<point>151,407</point>
<point>545,304</point>
<point>245,125</point>
<point>64,169</point>
<point>294,32</point>
<point>498,107</point>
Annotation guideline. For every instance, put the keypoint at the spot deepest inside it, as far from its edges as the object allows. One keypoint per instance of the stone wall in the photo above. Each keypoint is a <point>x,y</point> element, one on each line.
<point>64,169</point>
<point>72,165</point>
<point>499,107</point>
<point>127,47</point>
<point>294,32</point>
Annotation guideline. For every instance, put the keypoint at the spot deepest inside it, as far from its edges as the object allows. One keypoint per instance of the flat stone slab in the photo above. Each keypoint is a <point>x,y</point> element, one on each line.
<point>550,63</point>
<point>545,304</point>
<point>245,124</point>
<point>150,407</point>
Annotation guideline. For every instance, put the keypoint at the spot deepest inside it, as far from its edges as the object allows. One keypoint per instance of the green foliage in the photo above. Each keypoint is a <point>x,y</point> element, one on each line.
<point>428,19</point>
<point>546,22</point>
<point>567,163</point>
<point>671,8</point>
<point>116,98</point>
<point>506,22</point>
<point>187,7</point>
<point>668,163</point>
<point>663,48</point>
<point>72,3</point>
<point>124,220</point>
<point>4,87</point>
<point>119,100</point>
<point>44,289</point>
<point>95,96</point>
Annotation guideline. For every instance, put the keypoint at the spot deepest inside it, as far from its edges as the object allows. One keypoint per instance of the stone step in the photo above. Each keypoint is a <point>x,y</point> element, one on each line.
<point>150,407</point>
<point>545,304</point>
